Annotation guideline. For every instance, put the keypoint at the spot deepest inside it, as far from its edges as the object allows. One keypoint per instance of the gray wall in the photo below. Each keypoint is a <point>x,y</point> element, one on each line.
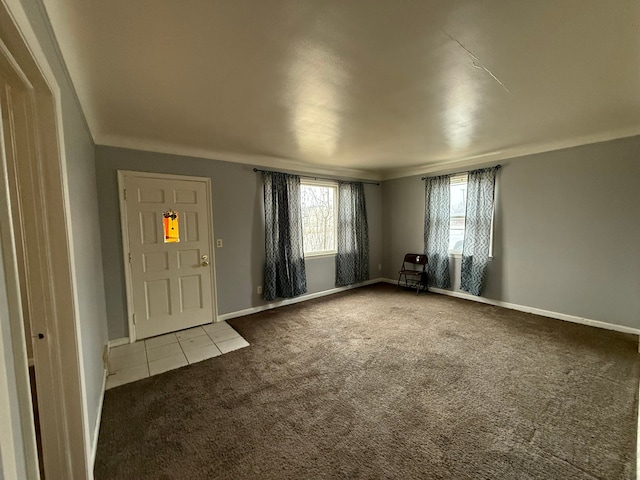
<point>567,231</point>
<point>87,256</point>
<point>237,220</point>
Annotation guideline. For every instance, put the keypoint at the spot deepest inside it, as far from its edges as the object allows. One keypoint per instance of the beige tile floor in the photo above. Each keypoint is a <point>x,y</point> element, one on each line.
<point>135,361</point>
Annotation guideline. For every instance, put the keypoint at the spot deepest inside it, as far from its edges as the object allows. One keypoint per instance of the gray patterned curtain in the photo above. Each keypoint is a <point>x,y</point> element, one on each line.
<point>477,229</point>
<point>436,230</point>
<point>284,271</point>
<point>352,259</point>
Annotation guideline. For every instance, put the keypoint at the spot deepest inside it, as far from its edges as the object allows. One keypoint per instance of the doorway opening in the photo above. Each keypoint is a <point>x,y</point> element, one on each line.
<point>167,235</point>
<point>36,258</point>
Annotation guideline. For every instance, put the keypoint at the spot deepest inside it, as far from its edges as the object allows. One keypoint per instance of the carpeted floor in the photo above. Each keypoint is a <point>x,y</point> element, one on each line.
<point>374,383</point>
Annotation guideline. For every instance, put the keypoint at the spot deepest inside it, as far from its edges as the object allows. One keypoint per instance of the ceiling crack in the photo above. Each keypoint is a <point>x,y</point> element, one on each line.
<point>476,62</point>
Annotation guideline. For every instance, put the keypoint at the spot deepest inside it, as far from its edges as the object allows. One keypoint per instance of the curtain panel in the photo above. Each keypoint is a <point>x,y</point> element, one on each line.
<point>436,230</point>
<point>284,271</point>
<point>477,229</point>
<point>352,259</point>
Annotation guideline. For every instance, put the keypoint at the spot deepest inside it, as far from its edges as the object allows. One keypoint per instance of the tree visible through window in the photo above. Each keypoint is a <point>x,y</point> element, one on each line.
<point>458,206</point>
<point>319,213</point>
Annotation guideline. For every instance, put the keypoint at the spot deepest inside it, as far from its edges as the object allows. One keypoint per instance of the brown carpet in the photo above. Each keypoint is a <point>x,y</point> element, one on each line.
<point>374,383</point>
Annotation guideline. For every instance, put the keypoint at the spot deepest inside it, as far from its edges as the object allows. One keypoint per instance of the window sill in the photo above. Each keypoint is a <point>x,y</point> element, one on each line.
<point>459,255</point>
<point>320,255</point>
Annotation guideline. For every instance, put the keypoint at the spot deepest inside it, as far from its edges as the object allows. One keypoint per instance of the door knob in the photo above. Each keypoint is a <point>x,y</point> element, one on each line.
<point>205,263</point>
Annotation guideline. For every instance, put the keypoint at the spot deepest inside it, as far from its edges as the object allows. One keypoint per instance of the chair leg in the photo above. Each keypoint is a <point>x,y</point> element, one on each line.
<point>423,282</point>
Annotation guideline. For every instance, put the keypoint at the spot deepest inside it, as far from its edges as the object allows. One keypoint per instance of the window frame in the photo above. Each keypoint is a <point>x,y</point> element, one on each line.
<point>329,184</point>
<point>465,176</point>
<point>457,179</point>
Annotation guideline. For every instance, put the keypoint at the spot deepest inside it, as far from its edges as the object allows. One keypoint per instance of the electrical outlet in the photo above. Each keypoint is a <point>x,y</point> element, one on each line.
<point>259,289</point>
<point>219,243</point>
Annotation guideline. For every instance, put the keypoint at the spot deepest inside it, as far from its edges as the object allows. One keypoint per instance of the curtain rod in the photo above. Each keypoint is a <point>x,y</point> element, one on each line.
<point>315,178</point>
<point>498,167</point>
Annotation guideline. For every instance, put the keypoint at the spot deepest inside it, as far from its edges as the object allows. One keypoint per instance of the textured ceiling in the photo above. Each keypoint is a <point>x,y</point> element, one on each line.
<point>380,87</point>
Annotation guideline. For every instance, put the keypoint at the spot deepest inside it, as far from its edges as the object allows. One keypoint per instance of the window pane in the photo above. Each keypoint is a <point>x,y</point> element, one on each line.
<point>318,218</point>
<point>171,227</point>
<point>458,205</point>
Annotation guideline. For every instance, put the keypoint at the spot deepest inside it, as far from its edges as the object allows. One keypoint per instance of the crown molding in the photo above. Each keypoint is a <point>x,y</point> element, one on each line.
<point>444,166</point>
<point>265,161</point>
<point>481,160</point>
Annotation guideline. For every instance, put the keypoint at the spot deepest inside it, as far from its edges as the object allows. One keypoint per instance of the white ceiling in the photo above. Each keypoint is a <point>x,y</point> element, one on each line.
<point>373,88</point>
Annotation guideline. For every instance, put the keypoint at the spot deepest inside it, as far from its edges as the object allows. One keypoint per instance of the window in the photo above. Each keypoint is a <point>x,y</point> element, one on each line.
<point>319,217</point>
<point>458,206</point>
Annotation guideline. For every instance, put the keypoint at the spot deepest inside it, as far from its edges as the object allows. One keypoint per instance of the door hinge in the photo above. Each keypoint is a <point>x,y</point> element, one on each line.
<point>134,318</point>
<point>129,258</point>
<point>125,194</point>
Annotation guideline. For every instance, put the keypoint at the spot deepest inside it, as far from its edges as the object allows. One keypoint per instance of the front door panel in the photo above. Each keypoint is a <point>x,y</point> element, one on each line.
<point>169,229</point>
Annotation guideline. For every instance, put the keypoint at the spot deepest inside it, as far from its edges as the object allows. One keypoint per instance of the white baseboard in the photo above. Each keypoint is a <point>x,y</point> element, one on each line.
<point>96,429</point>
<point>118,341</point>
<point>537,311</point>
<point>513,306</point>
<point>291,301</point>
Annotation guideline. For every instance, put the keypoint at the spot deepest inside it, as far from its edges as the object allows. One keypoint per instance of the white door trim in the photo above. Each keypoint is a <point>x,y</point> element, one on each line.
<point>65,348</point>
<point>12,438</point>
<point>122,174</point>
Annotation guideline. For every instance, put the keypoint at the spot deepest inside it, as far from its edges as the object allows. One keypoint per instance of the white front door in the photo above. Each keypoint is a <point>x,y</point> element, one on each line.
<point>168,249</point>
